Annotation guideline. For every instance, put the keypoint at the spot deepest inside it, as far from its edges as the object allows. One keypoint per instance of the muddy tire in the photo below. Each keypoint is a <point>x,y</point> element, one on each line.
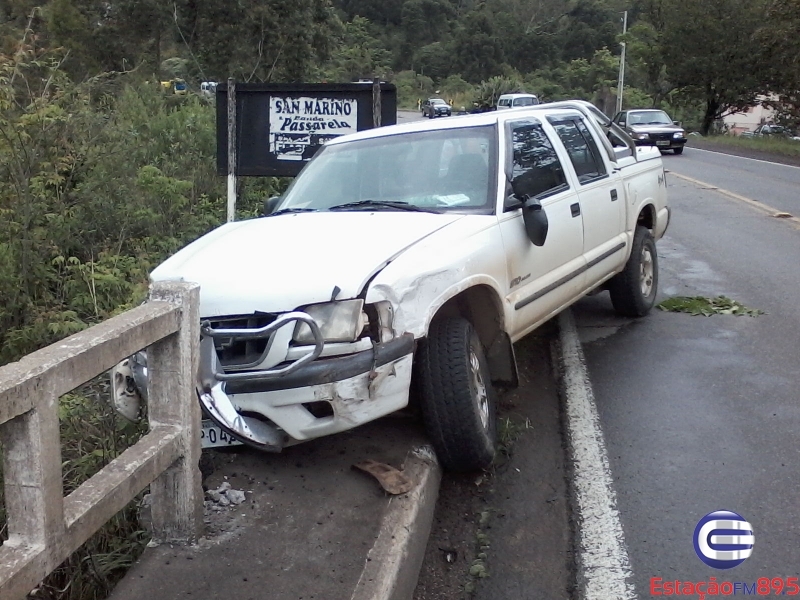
<point>456,396</point>
<point>634,290</point>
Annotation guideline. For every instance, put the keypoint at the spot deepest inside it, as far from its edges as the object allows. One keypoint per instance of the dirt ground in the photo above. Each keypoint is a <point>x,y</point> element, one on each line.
<point>506,533</point>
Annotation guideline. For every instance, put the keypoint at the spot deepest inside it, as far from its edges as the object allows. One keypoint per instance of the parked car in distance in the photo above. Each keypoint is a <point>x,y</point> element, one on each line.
<point>436,107</point>
<point>771,130</point>
<point>652,127</point>
<point>516,101</point>
<point>175,86</point>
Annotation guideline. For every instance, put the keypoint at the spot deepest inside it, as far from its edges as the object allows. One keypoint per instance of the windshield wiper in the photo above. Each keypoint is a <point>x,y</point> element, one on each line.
<point>287,211</point>
<point>381,204</point>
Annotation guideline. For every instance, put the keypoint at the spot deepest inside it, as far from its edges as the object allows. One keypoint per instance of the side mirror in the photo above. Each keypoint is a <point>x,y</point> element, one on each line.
<point>536,224</point>
<point>677,123</point>
<point>271,204</point>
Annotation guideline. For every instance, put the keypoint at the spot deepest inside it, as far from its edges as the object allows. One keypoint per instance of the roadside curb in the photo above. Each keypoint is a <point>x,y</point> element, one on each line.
<point>394,561</point>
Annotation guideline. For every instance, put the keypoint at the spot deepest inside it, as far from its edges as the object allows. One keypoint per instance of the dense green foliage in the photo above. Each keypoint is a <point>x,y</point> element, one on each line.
<point>94,190</point>
<point>700,60</point>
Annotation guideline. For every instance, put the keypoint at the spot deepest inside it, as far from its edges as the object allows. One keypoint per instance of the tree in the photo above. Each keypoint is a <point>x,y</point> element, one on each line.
<point>711,53</point>
<point>645,60</point>
<point>148,24</point>
<point>359,54</point>
<point>592,24</point>
<point>91,32</point>
<point>412,87</point>
<point>782,51</point>
<point>477,49</point>
<point>434,60</point>
<point>258,40</point>
<point>424,22</point>
<point>376,11</point>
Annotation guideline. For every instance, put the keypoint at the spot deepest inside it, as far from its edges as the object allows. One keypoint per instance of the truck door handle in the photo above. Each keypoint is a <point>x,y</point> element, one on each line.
<point>576,209</point>
<point>613,195</point>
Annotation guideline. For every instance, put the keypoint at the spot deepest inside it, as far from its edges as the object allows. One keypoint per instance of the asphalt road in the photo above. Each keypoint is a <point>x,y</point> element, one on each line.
<point>774,184</point>
<point>701,413</point>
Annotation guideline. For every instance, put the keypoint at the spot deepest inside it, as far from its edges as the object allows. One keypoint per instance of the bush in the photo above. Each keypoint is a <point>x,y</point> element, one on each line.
<point>95,190</point>
<point>99,182</point>
<point>411,87</point>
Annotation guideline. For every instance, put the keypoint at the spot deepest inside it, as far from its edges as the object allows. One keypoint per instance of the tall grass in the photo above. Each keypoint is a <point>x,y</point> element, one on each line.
<point>767,145</point>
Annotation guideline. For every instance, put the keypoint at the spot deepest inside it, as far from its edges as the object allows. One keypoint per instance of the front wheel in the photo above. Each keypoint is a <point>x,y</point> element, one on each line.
<point>679,150</point>
<point>457,397</point>
<point>633,291</point>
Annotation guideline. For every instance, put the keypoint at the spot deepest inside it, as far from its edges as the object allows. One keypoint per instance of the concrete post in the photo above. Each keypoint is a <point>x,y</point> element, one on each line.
<point>34,493</point>
<point>177,495</point>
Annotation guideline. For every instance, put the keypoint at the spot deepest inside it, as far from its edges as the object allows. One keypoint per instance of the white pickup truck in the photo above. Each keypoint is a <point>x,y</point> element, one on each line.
<point>412,257</point>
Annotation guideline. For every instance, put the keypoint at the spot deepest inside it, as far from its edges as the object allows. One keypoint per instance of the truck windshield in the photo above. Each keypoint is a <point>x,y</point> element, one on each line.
<point>446,170</point>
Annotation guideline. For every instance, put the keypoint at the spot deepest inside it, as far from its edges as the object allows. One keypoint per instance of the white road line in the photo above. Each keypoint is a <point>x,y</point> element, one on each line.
<point>768,162</point>
<point>604,571</point>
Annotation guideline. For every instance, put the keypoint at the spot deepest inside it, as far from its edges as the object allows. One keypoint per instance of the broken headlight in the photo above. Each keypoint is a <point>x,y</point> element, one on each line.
<point>340,321</point>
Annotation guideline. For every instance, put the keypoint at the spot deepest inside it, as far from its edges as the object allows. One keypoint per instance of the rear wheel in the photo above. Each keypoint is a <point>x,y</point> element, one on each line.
<point>633,291</point>
<point>456,395</point>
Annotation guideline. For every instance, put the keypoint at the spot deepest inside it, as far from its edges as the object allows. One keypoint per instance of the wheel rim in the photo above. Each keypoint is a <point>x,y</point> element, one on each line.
<point>646,272</point>
<point>481,396</point>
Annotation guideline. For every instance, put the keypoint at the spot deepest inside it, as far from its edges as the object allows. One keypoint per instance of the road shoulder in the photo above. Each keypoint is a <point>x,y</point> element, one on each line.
<point>311,526</point>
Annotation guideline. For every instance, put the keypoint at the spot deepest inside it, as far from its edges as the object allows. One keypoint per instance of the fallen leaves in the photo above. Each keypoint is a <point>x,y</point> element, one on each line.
<point>392,480</point>
<point>703,306</point>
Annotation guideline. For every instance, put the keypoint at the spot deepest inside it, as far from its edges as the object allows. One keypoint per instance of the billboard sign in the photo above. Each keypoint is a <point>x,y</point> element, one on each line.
<point>281,126</point>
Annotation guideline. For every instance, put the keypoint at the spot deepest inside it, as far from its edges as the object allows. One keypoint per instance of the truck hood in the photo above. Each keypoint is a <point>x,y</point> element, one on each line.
<point>277,264</point>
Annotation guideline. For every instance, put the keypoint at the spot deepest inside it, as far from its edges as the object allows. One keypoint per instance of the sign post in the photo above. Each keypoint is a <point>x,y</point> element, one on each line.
<point>231,150</point>
<point>376,103</point>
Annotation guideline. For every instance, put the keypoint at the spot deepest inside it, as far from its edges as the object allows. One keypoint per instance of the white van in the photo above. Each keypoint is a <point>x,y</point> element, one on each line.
<point>208,89</point>
<point>516,100</point>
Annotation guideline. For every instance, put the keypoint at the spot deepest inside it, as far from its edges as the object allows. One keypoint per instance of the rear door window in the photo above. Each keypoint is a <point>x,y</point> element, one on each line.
<point>582,149</point>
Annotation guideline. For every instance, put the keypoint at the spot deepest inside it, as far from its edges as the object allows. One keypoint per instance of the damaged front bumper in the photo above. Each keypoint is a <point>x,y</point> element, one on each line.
<point>306,397</point>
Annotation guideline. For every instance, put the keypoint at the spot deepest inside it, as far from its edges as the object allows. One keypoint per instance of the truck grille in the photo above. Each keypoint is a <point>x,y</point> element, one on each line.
<point>241,353</point>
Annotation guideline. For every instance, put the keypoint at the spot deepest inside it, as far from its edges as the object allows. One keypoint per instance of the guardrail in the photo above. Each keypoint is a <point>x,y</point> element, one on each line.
<point>44,527</point>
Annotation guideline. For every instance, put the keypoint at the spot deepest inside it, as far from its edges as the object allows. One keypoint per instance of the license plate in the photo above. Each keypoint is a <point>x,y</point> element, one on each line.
<point>662,143</point>
<point>212,436</point>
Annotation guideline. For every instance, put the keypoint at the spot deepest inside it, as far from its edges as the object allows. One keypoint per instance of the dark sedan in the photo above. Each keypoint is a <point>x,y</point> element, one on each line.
<point>651,127</point>
<point>436,107</point>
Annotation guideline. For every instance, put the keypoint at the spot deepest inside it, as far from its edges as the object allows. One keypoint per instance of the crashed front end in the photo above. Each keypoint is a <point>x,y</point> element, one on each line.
<point>274,379</point>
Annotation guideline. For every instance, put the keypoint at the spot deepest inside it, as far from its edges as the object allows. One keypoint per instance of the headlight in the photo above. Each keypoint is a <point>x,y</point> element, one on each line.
<point>641,136</point>
<point>677,134</point>
<point>338,321</point>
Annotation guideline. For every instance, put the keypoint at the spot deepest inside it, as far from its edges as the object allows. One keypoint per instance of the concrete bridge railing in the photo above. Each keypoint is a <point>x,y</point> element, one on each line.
<point>44,527</point>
